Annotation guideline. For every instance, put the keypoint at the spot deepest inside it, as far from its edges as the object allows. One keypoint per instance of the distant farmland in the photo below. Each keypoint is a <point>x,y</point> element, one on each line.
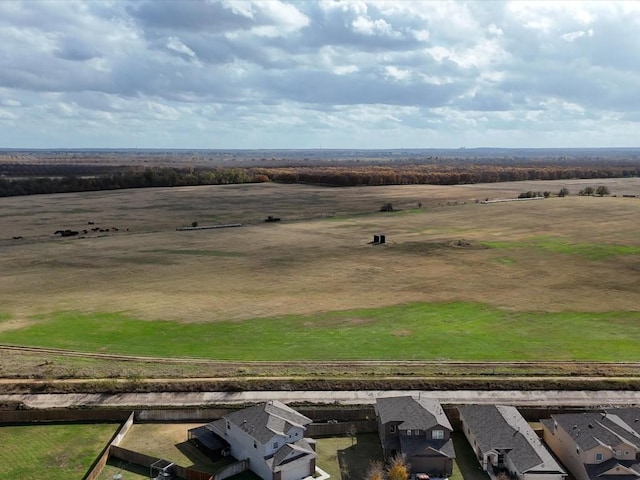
<point>457,279</point>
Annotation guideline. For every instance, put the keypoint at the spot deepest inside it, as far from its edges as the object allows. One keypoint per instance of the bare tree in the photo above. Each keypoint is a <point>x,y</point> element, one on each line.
<point>375,471</point>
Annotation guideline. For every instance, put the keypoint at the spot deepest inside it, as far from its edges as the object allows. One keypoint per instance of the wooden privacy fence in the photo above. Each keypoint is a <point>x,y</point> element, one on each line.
<point>341,428</point>
<point>231,470</point>
<point>146,461</point>
<point>101,461</point>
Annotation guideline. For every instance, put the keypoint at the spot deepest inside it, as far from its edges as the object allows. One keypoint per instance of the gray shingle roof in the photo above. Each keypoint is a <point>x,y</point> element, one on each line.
<point>503,428</point>
<point>627,470</point>
<point>591,429</point>
<point>413,446</point>
<point>264,421</point>
<point>412,413</point>
<point>299,449</point>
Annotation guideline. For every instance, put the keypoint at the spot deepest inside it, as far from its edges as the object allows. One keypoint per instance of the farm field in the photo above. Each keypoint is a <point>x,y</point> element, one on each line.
<point>456,280</point>
<point>51,452</point>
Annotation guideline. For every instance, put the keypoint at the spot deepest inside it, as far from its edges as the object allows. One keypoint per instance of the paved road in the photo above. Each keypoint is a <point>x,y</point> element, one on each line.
<point>458,397</point>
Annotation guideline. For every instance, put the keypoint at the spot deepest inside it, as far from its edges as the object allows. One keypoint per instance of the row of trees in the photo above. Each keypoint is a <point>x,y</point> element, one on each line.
<point>149,177</point>
<point>438,174</point>
<point>600,191</point>
<point>391,174</point>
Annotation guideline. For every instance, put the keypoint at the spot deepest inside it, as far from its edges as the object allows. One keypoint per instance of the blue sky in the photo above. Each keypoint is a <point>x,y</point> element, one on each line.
<point>309,74</point>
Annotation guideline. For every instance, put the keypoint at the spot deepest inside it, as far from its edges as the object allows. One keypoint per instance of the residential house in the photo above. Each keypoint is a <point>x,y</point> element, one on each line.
<point>271,436</point>
<point>419,430</point>
<point>505,443</point>
<point>597,445</point>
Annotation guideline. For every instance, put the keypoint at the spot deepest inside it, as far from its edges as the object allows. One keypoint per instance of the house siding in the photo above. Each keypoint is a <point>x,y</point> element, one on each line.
<point>241,447</point>
<point>297,469</point>
<point>539,476</point>
<point>563,446</point>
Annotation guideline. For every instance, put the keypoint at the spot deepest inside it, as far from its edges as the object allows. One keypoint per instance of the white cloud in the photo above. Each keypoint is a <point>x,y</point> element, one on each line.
<point>573,36</point>
<point>295,74</point>
<point>366,26</point>
<point>174,43</point>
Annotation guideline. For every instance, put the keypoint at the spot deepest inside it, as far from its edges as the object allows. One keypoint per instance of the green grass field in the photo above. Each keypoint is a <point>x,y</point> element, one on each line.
<point>452,331</point>
<point>590,251</point>
<point>51,452</point>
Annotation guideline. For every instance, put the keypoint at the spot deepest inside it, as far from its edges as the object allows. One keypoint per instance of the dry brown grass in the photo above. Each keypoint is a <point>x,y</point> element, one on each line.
<point>308,263</point>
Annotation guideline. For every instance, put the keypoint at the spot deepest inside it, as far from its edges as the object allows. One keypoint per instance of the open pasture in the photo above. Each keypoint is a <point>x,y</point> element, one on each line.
<point>552,256</point>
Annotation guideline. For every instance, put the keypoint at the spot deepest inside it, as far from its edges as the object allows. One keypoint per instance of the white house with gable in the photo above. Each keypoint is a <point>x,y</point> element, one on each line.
<point>271,436</point>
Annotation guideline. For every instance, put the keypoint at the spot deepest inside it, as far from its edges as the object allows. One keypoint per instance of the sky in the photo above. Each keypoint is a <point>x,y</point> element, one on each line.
<point>235,74</point>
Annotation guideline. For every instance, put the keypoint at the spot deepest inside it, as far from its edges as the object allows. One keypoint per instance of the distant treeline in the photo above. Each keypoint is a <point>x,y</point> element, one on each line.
<point>442,174</point>
<point>149,177</point>
<point>49,179</point>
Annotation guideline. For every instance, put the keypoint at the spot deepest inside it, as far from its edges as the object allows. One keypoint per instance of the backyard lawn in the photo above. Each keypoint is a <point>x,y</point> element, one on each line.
<point>347,458</point>
<point>51,452</point>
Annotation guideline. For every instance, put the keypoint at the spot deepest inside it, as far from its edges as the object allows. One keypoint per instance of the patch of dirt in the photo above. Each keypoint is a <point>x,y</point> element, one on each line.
<point>402,333</point>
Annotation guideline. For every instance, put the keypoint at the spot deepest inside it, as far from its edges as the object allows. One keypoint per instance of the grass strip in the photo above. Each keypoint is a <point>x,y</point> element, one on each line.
<point>418,331</point>
<point>590,251</point>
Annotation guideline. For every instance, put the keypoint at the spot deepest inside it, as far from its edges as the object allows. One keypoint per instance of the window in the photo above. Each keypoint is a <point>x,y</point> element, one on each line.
<point>275,445</point>
<point>627,453</point>
<point>599,456</point>
<point>393,429</point>
<point>255,444</point>
<point>409,432</point>
<point>228,426</point>
<point>437,434</point>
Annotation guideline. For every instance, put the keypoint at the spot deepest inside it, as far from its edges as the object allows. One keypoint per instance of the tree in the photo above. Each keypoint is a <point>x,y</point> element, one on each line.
<point>563,192</point>
<point>602,190</point>
<point>194,224</point>
<point>586,191</point>
<point>386,207</point>
<point>398,468</point>
<point>375,471</point>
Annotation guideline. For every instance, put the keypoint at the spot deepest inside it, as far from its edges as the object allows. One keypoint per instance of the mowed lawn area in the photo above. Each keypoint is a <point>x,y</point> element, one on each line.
<point>452,331</point>
<point>552,279</point>
<point>51,452</point>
